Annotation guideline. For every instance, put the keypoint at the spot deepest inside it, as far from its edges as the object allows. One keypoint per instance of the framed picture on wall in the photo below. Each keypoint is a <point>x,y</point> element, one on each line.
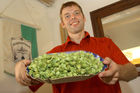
<point>21,49</point>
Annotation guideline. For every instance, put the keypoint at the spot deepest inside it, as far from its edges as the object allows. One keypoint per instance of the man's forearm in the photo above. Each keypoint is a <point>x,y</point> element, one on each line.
<point>127,72</point>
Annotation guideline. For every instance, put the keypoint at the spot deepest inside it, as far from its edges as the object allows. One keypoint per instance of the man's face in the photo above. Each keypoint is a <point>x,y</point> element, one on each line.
<point>72,19</point>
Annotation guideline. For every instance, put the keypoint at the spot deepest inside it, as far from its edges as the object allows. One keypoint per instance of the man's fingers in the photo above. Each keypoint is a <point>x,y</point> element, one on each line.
<point>113,81</point>
<point>110,76</point>
<point>25,83</point>
<point>109,80</point>
<point>111,70</point>
<point>106,73</point>
<point>28,81</point>
<point>25,78</point>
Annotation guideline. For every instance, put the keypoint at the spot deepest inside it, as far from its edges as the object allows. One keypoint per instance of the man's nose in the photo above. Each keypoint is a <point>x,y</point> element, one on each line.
<point>72,16</point>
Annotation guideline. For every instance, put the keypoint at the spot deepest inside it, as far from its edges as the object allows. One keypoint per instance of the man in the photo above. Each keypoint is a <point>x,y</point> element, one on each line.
<point>119,68</point>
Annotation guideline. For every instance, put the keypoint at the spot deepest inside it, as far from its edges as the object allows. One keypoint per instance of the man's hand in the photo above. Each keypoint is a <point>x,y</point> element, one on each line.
<point>117,72</point>
<point>111,75</point>
<point>21,74</point>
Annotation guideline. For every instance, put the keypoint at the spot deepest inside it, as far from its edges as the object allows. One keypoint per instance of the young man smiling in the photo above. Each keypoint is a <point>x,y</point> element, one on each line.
<point>119,68</point>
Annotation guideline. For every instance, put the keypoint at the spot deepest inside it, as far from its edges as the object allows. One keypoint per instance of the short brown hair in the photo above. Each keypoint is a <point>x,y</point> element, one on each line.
<point>70,3</point>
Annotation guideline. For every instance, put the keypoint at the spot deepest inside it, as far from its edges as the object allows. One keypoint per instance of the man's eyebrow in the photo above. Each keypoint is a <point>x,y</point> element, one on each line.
<point>77,10</point>
<point>66,14</point>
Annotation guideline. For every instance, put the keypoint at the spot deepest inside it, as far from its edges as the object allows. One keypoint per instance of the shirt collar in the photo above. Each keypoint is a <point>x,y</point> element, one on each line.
<point>86,36</point>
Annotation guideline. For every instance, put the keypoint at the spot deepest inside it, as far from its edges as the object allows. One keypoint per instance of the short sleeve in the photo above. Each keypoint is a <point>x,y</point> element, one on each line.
<point>116,53</point>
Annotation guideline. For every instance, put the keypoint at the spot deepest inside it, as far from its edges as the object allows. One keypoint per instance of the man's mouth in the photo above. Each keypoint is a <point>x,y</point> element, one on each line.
<point>74,23</point>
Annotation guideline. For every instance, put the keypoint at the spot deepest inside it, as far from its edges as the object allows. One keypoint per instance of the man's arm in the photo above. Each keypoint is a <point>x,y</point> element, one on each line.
<point>127,72</point>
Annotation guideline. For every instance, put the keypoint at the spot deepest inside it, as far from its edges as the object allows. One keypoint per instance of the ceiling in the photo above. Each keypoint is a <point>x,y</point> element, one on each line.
<point>47,2</point>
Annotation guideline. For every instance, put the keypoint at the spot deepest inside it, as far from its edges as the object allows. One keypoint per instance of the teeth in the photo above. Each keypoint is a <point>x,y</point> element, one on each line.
<point>75,23</point>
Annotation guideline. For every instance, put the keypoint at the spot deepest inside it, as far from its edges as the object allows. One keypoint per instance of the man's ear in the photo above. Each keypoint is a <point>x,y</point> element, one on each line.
<point>62,24</point>
<point>84,19</point>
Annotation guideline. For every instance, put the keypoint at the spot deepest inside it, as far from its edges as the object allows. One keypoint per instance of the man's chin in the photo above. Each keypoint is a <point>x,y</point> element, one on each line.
<point>76,31</point>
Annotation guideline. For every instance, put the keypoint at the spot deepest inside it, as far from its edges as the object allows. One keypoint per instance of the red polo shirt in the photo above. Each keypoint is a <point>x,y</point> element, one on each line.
<point>101,46</point>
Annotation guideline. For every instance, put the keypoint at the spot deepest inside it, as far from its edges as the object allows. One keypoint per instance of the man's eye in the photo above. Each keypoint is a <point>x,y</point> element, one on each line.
<point>77,13</point>
<point>67,16</point>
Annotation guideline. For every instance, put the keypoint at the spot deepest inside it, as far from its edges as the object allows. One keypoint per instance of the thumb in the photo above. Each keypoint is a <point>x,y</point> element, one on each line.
<point>26,62</point>
<point>107,61</point>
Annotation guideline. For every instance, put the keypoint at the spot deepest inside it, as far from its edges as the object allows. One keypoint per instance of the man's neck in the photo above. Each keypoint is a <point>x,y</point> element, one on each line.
<point>77,37</point>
